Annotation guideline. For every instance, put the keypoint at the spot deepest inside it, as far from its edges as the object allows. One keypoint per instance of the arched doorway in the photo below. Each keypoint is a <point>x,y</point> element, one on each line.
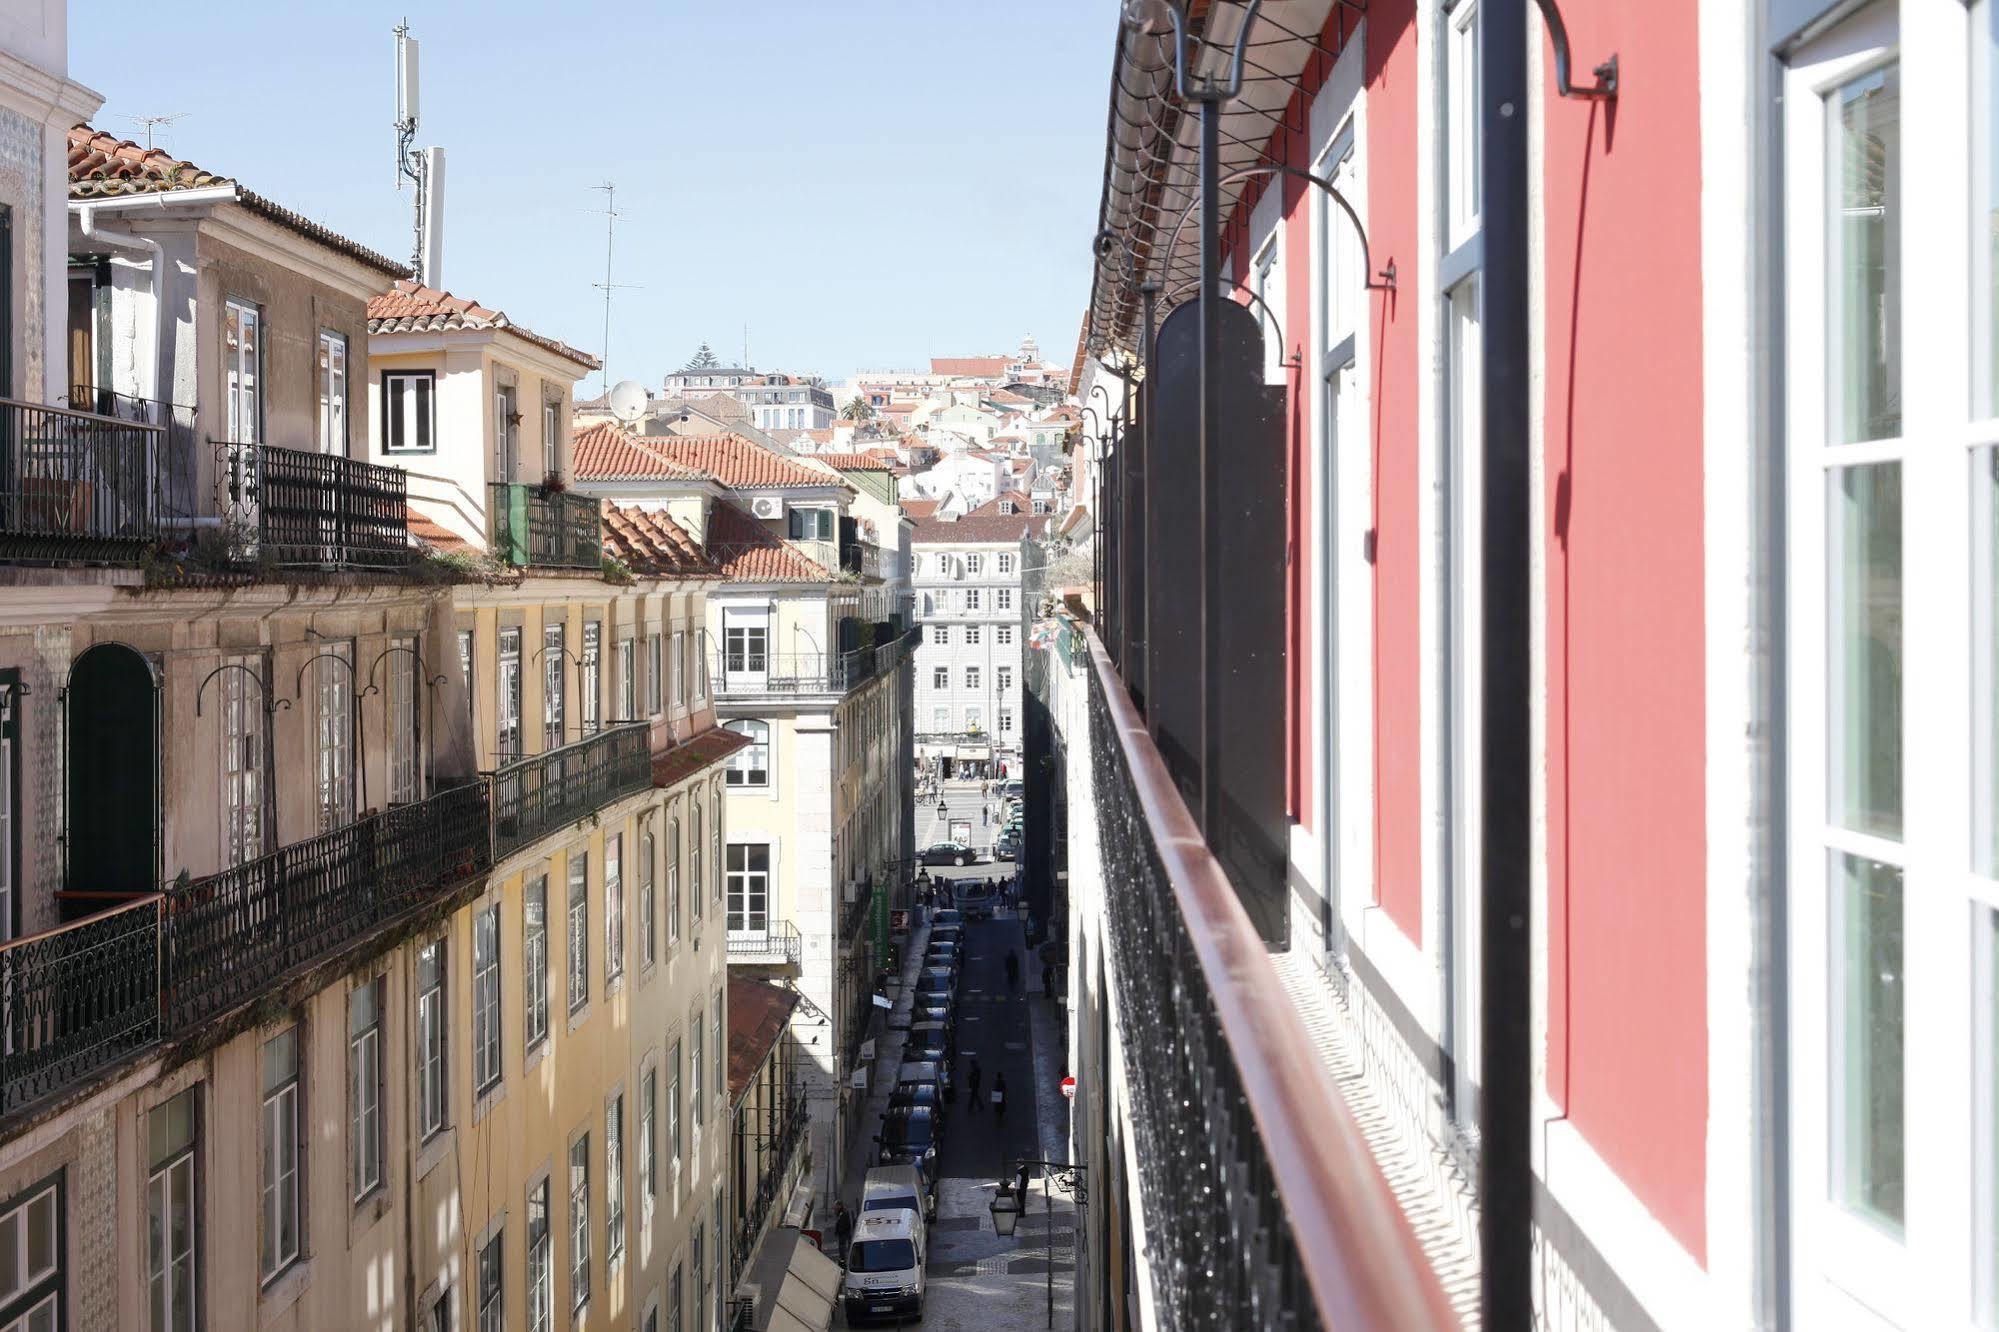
<point>112,819</point>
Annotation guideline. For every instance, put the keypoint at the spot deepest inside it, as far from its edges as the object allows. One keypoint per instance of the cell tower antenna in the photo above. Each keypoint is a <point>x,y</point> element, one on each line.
<point>607,286</point>
<point>150,123</point>
<point>421,168</point>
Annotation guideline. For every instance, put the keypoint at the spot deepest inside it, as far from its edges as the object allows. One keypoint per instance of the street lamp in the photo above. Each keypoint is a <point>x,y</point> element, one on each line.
<point>1006,1211</point>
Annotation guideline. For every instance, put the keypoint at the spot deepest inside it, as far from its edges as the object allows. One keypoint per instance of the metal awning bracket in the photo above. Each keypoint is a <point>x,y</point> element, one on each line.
<point>1605,87</point>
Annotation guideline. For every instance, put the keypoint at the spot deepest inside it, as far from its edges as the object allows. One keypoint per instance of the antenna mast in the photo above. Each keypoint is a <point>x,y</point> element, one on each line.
<point>149,123</point>
<point>421,168</point>
<point>607,286</point>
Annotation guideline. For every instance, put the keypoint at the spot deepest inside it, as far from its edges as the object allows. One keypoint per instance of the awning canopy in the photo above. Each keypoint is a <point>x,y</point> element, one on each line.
<point>1152,158</point>
<point>794,1285</point>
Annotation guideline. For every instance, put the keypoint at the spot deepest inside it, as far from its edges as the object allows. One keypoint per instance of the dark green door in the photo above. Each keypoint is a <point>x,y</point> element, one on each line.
<point>111,716</point>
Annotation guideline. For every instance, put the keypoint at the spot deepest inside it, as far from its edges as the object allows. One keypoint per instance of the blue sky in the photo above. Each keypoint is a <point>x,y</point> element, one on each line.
<point>864,183</point>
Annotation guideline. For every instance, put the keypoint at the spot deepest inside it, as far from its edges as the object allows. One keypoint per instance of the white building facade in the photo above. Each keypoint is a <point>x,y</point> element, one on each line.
<point>971,602</point>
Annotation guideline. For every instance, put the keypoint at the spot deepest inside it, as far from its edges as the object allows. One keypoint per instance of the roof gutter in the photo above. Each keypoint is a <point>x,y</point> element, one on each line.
<point>86,216</point>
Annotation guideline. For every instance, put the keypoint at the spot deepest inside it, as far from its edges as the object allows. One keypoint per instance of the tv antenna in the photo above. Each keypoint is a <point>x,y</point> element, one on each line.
<point>150,123</point>
<point>607,286</point>
<point>422,168</point>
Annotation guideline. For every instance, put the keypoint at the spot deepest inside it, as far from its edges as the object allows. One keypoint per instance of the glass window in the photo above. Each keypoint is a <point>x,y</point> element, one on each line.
<point>675,1133</point>
<point>1268,284</point>
<point>366,1137</point>
<point>975,565</point>
<point>1003,636</point>
<point>940,677</point>
<point>579,930</point>
<point>750,765</point>
<point>590,685</point>
<point>509,686</point>
<point>749,886</point>
<point>278,1228</point>
<point>653,665</point>
<point>430,1017</point>
<point>696,882</point>
<point>410,417</point>
<point>579,1222</point>
<point>1006,564</point>
<point>673,881</point>
<point>506,434</point>
<point>973,635</point>
<point>492,1289</point>
<point>628,677</point>
<point>649,1136</point>
<point>534,961</point>
<point>940,720</point>
<point>614,1179</point>
<point>971,598</point>
<point>541,1260</point>
<point>551,437</point>
<point>648,927</point>
<point>697,1062</point>
<point>554,685</point>
<point>171,1214</point>
<point>242,688</point>
<point>677,681</point>
<point>695,1261</point>
<point>242,371</point>
<point>1865,305</point>
<point>31,1260</point>
<point>486,998</point>
<point>971,677</point>
<point>614,907</point>
<point>332,380</point>
<point>941,635</point>
<point>1461,129</point>
<point>1005,595</point>
<point>1865,667</point>
<point>718,1048</point>
<point>1005,674</point>
<point>405,723</point>
<point>1867,1044</point>
<point>333,716</point>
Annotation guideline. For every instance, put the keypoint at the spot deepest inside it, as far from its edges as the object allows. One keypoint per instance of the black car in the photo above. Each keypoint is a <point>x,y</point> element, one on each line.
<point>946,853</point>
<point>937,1013</point>
<point>932,1043</point>
<point>936,985</point>
<point>945,917</point>
<point>946,957</point>
<point>909,1137</point>
<point>1007,847</point>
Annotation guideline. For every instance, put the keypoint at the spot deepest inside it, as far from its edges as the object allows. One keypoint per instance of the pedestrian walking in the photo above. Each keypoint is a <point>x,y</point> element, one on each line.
<point>972,1084</point>
<point>999,1095</point>
<point>1012,973</point>
<point>843,1230</point>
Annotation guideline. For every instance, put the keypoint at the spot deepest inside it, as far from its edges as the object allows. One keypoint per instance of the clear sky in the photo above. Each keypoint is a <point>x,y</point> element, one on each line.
<point>865,183</point>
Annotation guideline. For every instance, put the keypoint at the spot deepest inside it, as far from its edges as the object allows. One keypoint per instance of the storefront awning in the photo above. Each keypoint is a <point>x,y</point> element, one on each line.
<point>794,1285</point>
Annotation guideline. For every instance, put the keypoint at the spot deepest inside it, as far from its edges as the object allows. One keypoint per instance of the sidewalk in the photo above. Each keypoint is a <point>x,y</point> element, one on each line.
<point>888,1056</point>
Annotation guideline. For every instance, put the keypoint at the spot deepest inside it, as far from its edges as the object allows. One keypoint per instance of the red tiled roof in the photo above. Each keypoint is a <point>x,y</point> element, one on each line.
<point>104,166</point>
<point>983,367</point>
<point>855,462</point>
<point>991,508</point>
<point>982,531</point>
<point>609,452</point>
<point>919,509</point>
<point>758,1014</point>
<point>747,552</point>
<point>411,307</point>
<point>737,463</point>
<point>432,533</point>
<point>652,545</point>
<point>676,763</point>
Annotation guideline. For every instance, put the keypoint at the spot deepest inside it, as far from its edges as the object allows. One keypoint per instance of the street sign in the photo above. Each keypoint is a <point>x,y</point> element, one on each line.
<point>1069,1087</point>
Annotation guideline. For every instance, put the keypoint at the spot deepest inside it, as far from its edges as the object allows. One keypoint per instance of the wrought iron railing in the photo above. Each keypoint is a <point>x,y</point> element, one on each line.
<point>77,998</point>
<point>544,529</point>
<point>79,486</point>
<point>295,509</point>
<point>758,674</point>
<point>231,934</point>
<point>778,943</point>
<point>177,456</point>
<point>1263,1205</point>
<point>784,1142</point>
<point>853,914</point>
<point>861,558</point>
<point>548,791</point>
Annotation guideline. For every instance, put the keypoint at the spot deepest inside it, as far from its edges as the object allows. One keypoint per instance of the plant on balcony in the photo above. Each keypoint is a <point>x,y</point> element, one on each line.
<point>617,571</point>
<point>553,484</point>
<point>454,566</point>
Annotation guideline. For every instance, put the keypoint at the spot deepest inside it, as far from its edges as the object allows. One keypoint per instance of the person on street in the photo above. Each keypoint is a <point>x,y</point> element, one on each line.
<point>1012,975</point>
<point>999,1095</point>
<point>972,1084</point>
<point>843,1230</point>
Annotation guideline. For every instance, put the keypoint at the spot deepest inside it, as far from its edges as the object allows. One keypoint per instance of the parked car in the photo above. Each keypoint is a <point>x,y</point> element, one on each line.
<point>949,933</point>
<point>1007,847</point>
<point>1013,789</point>
<point>893,1188</point>
<point>884,1276</point>
<point>909,1137</point>
<point>932,1043</point>
<point>945,917</point>
<point>919,1084</point>
<point>948,957</point>
<point>940,1013</point>
<point>975,899</point>
<point>946,853</point>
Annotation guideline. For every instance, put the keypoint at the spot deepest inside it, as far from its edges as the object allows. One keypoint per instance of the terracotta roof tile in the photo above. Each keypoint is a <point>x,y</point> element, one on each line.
<point>411,307</point>
<point>652,545</point>
<point>758,1014</point>
<point>982,530</point>
<point>919,509</point>
<point>748,552</point>
<point>980,367</point>
<point>855,462</point>
<point>737,463</point>
<point>609,452</point>
<point>104,166</point>
<point>432,533</point>
<point>675,764</point>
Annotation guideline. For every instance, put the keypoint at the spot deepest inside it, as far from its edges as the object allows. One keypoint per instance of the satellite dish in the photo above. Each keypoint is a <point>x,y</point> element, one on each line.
<point>628,400</point>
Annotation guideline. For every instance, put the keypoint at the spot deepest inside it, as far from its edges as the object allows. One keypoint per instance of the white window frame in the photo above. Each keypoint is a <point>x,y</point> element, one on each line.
<point>1462,149</point>
<point>748,883</point>
<point>433,1073</point>
<point>36,1297</point>
<point>507,687</point>
<point>614,908</point>
<point>244,730</point>
<point>614,1179</point>
<point>242,370</point>
<point>577,1164</point>
<point>174,1174</point>
<point>409,411</point>
<point>488,1063</point>
<point>333,714</point>
<point>1006,564</point>
<point>554,685</point>
<point>492,1284</point>
<point>749,767</point>
<point>577,917</point>
<point>367,1130</point>
<point>332,383</point>
<point>1267,280</point>
<point>541,1254</point>
<point>405,716</point>
<point>534,960</point>
<point>281,1169</point>
<point>590,678</point>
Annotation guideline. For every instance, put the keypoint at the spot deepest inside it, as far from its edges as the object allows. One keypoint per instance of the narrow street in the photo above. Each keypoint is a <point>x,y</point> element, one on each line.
<point>978,1280</point>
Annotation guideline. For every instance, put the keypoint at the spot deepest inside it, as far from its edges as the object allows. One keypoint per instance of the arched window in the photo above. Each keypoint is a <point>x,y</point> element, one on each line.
<point>750,765</point>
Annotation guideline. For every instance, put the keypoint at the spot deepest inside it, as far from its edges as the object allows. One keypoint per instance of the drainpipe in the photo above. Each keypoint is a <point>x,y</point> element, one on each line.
<point>86,216</point>
<point>1506,1175</point>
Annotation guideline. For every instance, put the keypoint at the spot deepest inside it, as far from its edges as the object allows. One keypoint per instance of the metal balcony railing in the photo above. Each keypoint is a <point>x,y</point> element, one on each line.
<point>78,998</point>
<point>544,792</point>
<point>783,1138</point>
<point>861,558</point>
<point>1263,1203</point>
<point>778,944</point>
<point>758,674</point>
<point>75,485</point>
<point>530,527</point>
<point>232,934</point>
<point>295,509</point>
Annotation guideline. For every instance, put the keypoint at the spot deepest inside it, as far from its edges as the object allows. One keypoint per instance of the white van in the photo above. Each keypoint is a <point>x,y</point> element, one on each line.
<point>884,1277</point>
<point>888,1188</point>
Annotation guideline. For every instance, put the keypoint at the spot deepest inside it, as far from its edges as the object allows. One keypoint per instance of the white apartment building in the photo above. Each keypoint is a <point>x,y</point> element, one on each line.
<point>971,601</point>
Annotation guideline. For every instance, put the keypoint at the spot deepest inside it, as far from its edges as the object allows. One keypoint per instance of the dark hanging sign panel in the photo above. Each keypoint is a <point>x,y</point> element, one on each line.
<point>1249,626</point>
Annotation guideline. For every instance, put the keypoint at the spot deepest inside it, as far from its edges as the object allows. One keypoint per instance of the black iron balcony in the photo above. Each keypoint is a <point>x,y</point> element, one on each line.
<point>233,934</point>
<point>77,999</point>
<point>854,912</point>
<point>545,792</point>
<point>782,1132</point>
<point>294,509</point>
<point>773,945</point>
<point>1264,1207</point>
<point>755,674</point>
<point>863,559</point>
<point>76,485</point>
<point>531,527</point>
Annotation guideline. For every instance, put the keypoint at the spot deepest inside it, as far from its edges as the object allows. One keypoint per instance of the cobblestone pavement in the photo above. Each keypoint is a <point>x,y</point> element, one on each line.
<point>978,1280</point>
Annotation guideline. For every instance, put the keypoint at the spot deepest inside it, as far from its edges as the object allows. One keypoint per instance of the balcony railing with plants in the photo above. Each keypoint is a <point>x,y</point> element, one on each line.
<point>863,559</point>
<point>777,944</point>
<point>1263,1205</point>
<point>77,485</point>
<point>78,998</point>
<point>544,792</point>
<point>531,526</point>
<point>229,934</point>
<point>296,509</point>
<point>783,1132</point>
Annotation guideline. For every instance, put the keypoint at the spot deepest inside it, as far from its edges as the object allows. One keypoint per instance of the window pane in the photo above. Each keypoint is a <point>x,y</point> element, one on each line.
<point>1864,685</point>
<point>1867,1039</point>
<point>1865,308</point>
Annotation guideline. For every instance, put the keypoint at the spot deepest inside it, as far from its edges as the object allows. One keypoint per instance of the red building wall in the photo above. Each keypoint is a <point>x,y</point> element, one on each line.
<point>1626,841</point>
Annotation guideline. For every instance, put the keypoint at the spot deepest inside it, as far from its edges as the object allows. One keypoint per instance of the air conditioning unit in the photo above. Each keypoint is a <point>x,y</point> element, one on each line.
<point>767,506</point>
